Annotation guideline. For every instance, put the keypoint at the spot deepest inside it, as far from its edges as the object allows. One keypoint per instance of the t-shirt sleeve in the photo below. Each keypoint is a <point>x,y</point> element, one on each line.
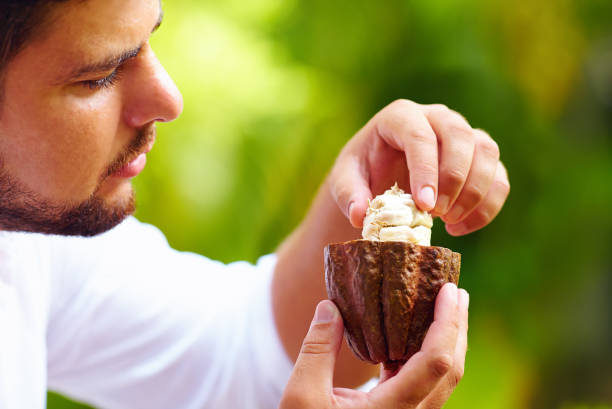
<point>134,324</point>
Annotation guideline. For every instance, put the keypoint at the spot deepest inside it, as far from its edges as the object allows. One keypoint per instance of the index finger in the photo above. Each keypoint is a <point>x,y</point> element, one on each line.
<point>427,367</point>
<point>404,126</point>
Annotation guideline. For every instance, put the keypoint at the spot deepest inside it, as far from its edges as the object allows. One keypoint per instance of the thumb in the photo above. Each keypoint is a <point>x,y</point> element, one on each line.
<point>314,369</point>
<point>350,188</point>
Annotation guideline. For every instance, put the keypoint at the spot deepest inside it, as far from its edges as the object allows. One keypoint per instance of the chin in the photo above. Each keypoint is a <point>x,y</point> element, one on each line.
<point>22,210</point>
<point>112,203</point>
<point>118,194</point>
<point>98,215</point>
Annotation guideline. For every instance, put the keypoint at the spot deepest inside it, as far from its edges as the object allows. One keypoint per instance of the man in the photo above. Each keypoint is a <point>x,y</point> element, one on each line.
<point>123,321</point>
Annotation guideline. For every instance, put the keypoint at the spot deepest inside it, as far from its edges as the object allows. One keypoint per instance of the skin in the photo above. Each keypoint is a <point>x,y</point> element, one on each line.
<point>59,138</point>
<point>419,146</point>
<point>425,381</point>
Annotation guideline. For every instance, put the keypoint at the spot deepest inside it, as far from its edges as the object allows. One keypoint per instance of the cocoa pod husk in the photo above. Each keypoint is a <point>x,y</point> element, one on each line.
<point>386,291</point>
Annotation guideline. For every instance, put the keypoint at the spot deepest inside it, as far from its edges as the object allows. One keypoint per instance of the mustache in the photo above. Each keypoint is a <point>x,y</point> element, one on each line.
<point>135,148</point>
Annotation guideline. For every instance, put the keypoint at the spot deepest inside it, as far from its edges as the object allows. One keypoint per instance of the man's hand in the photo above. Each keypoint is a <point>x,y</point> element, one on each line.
<point>432,152</point>
<point>425,381</point>
<point>451,169</point>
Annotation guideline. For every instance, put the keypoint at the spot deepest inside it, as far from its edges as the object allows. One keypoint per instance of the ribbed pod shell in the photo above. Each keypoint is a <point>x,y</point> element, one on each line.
<point>386,294</point>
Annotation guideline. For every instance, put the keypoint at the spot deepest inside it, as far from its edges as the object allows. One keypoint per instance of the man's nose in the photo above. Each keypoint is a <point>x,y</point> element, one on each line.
<point>153,96</point>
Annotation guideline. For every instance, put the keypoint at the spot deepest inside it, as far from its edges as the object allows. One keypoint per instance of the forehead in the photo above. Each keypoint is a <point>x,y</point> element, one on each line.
<point>84,29</point>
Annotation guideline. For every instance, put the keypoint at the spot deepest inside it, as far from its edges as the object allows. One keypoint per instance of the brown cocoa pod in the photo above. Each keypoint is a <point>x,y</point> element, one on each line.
<point>386,291</point>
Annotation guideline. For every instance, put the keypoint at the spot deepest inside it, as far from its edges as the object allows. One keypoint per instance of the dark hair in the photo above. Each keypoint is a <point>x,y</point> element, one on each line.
<point>19,20</point>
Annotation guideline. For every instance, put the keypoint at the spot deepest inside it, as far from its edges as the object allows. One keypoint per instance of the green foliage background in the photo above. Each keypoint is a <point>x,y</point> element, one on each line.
<point>273,89</point>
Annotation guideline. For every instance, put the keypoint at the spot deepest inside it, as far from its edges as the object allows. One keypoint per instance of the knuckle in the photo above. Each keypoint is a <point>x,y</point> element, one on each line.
<point>428,169</point>
<point>315,347</point>
<point>439,108</point>
<point>454,177</point>
<point>393,117</point>
<point>401,104</point>
<point>481,134</point>
<point>459,129</point>
<point>473,195</point>
<point>491,148</point>
<point>422,135</point>
<point>440,364</point>
<point>503,186</point>
<point>478,219</point>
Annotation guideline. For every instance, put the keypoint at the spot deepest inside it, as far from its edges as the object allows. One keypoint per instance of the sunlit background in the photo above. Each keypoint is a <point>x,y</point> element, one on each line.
<point>274,88</point>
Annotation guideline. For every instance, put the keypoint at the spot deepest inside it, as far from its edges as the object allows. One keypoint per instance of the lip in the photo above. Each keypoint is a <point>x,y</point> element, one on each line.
<point>136,165</point>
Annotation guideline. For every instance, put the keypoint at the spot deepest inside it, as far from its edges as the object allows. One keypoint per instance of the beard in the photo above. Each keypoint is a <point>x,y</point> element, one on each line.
<point>24,210</point>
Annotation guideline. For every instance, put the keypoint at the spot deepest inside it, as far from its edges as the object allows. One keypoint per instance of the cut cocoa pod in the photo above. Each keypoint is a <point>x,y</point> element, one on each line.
<point>386,291</point>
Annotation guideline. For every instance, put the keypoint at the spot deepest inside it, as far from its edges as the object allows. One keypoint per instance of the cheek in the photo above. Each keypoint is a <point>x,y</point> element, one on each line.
<point>65,142</point>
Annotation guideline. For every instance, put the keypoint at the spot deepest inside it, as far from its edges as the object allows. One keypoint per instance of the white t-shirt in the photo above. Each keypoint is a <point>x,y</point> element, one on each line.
<point>121,320</point>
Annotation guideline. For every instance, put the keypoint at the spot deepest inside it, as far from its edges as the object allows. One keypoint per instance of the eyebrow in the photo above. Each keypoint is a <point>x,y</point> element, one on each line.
<point>113,61</point>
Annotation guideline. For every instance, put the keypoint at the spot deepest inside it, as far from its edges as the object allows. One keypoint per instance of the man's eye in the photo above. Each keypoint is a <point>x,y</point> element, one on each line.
<point>105,82</point>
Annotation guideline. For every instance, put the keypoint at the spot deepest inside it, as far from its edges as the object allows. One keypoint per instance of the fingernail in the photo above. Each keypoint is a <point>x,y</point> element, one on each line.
<point>464,298</point>
<point>326,312</point>
<point>453,287</point>
<point>428,197</point>
<point>442,204</point>
<point>455,290</point>
<point>456,213</point>
<point>355,222</point>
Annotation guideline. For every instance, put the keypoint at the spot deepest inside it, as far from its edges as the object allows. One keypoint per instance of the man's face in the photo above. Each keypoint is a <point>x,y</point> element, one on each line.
<point>79,108</point>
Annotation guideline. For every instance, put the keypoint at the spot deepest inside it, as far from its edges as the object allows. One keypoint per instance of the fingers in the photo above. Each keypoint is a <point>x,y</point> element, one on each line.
<point>311,381</point>
<point>486,211</point>
<point>456,140</point>
<point>462,339</point>
<point>350,187</point>
<point>438,397</point>
<point>453,169</point>
<point>479,180</point>
<point>426,368</point>
<point>404,127</point>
